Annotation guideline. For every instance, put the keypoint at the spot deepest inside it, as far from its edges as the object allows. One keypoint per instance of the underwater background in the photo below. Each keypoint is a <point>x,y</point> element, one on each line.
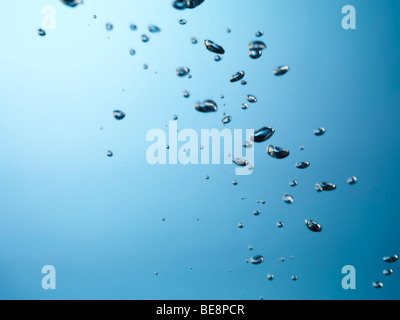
<point>120,228</point>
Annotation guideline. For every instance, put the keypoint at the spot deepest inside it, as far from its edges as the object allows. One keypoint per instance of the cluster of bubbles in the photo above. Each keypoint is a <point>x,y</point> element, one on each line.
<point>386,272</point>
<point>264,134</point>
<point>256,48</point>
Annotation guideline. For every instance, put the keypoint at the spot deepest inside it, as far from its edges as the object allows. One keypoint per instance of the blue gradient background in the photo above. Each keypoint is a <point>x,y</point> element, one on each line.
<point>98,219</point>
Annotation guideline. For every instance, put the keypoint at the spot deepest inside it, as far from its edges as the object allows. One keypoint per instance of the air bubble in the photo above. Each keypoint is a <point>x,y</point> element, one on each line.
<point>280,224</point>
<point>240,162</point>
<point>257,45</point>
<point>325,186</point>
<point>237,76</point>
<point>252,99</point>
<point>145,38</point>
<point>213,47</point>
<point>257,259</point>
<point>41,32</point>
<point>179,4</point>
<point>313,226</point>
<point>255,54</point>
<point>262,134</point>
<point>72,3</point>
<point>377,285</point>
<point>319,132</point>
<point>287,198</point>
<point>206,106</point>
<point>391,259</point>
<point>119,115</point>
<point>277,153</point>
<point>227,119</point>
<point>280,71</point>
<point>302,165</point>
<point>183,71</point>
<point>388,272</point>
<point>153,29</point>
<point>191,4</point>
<point>109,26</point>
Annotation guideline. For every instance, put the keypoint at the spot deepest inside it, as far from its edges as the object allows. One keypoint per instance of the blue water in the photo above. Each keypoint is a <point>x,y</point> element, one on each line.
<point>97,220</point>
